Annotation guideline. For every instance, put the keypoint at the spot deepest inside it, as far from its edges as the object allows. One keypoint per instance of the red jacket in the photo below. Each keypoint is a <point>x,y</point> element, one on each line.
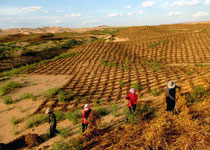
<point>85,115</point>
<point>132,99</point>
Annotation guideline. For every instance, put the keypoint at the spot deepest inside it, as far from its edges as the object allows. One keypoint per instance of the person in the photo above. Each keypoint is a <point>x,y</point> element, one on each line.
<point>132,98</point>
<point>171,95</point>
<point>52,122</point>
<point>85,114</point>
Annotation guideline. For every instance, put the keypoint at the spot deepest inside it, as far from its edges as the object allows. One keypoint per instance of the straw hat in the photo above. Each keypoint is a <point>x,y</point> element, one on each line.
<point>48,110</point>
<point>171,84</point>
<point>86,107</point>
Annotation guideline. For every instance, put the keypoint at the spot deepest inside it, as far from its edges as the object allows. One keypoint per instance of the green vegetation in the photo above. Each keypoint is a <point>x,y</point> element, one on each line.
<point>122,83</point>
<point>104,62</point>
<point>14,121</point>
<point>73,116</point>
<point>197,95</point>
<point>8,100</point>
<point>103,111</point>
<point>66,55</point>
<point>136,86</point>
<point>202,65</point>
<point>115,110</point>
<point>110,31</point>
<point>65,132</point>
<point>155,92</point>
<point>9,86</point>
<point>36,120</point>
<point>189,73</point>
<point>203,30</point>
<point>51,92</point>
<point>155,66</point>
<point>26,96</point>
<point>59,115</point>
<point>65,97</point>
<point>156,43</point>
<point>72,144</point>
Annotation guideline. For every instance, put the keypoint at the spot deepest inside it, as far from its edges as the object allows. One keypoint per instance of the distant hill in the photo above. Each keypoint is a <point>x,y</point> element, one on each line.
<point>48,29</point>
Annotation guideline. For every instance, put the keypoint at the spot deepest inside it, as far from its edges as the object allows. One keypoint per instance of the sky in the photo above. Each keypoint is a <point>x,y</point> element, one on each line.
<point>91,13</point>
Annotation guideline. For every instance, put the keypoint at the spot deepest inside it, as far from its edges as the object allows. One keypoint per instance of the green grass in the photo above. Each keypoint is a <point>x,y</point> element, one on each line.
<point>27,96</point>
<point>51,92</point>
<point>14,121</point>
<point>61,96</point>
<point>189,73</point>
<point>71,144</point>
<point>122,83</point>
<point>59,115</point>
<point>36,120</point>
<point>136,86</point>
<point>201,65</point>
<point>155,92</point>
<point>115,110</point>
<point>65,132</point>
<point>155,66</point>
<point>7,100</point>
<point>103,111</point>
<point>104,62</point>
<point>66,55</point>
<point>156,43</point>
<point>73,116</point>
<point>203,30</point>
<point>8,87</point>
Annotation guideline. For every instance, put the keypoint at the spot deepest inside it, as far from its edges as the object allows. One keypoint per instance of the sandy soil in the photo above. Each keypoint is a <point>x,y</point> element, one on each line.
<point>34,84</point>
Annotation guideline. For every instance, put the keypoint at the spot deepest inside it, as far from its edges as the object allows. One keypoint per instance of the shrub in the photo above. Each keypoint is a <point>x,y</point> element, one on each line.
<point>155,66</point>
<point>104,62</point>
<point>14,120</point>
<point>155,92</point>
<point>61,145</point>
<point>53,91</point>
<point>26,96</point>
<point>122,83</point>
<point>8,100</point>
<point>59,115</point>
<point>102,111</point>
<point>65,132</point>
<point>115,110</point>
<point>72,144</point>
<point>36,120</point>
<point>136,86</point>
<point>61,96</point>
<point>73,116</point>
<point>9,86</point>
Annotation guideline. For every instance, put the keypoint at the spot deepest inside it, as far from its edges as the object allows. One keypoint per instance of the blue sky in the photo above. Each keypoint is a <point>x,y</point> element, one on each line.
<point>90,13</point>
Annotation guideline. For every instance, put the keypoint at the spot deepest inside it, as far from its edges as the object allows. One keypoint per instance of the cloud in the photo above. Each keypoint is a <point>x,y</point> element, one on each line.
<point>115,15</point>
<point>200,14</point>
<point>46,11</point>
<point>129,6</point>
<point>90,21</point>
<point>174,13</point>
<point>140,12</point>
<point>130,14</point>
<point>74,15</point>
<point>148,4</point>
<point>58,21</point>
<point>185,3</point>
<point>207,2</point>
<point>165,5</point>
<point>59,11</point>
<point>31,9</point>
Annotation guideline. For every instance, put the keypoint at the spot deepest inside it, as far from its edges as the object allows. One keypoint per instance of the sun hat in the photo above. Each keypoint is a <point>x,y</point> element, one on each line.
<point>171,84</point>
<point>48,110</point>
<point>86,107</point>
<point>132,90</point>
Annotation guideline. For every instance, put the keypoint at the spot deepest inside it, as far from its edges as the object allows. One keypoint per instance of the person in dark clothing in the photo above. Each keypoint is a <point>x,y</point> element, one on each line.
<point>52,122</point>
<point>171,96</point>
<point>85,114</point>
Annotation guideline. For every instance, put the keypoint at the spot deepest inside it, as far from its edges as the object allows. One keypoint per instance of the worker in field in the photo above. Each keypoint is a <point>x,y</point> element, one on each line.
<point>171,95</point>
<point>52,122</point>
<point>85,115</point>
<point>132,98</point>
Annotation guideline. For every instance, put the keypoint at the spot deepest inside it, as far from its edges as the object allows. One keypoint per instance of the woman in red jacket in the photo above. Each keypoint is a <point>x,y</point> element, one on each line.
<point>85,114</point>
<point>132,100</point>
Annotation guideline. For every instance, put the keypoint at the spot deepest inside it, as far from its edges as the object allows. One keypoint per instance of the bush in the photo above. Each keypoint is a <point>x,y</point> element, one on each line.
<point>136,86</point>
<point>51,92</point>
<point>9,86</point>
<point>155,92</point>
<point>64,97</point>
<point>14,120</point>
<point>26,96</point>
<point>61,145</point>
<point>59,115</point>
<point>102,111</point>
<point>72,144</point>
<point>8,100</point>
<point>122,83</point>
<point>65,132</point>
<point>115,110</point>
<point>73,116</point>
<point>36,120</point>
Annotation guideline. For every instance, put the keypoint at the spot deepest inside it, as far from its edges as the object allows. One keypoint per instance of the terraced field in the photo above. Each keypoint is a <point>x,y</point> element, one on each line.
<point>151,56</point>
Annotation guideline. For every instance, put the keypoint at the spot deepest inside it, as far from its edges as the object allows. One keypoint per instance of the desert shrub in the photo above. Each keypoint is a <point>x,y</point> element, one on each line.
<point>111,39</point>
<point>115,110</point>
<point>155,66</point>
<point>103,111</point>
<point>65,132</point>
<point>14,120</point>
<point>72,144</point>
<point>73,116</point>
<point>104,62</point>
<point>155,92</point>
<point>136,86</point>
<point>61,145</point>
<point>66,55</point>
<point>8,100</point>
<point>189,73</point>
<point>59,115</point>
<point>36,120</point>
<point>26,96</point>
<point>122,83</point>
<point>43,62</point>
<point>129,116</point>
<point>9,86</point>
<point>61,96</point>
<point>51,92</point>
<point>112,64</point>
